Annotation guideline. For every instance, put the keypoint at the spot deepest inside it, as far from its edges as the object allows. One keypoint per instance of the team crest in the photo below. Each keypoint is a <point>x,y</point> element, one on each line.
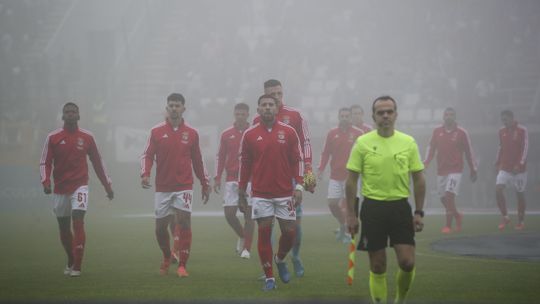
<point>286,119</point>
<point>80,143</point>
<point>281,136</point>
<point>185,137</point>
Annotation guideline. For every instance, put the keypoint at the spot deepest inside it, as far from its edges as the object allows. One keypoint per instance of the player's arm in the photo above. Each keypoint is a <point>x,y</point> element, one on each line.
<point>351,188</point>
<point>45,166</point>
<point>199,169</point>
<point>296,161</point>
<point>469,155</point>
<point>325,155</point>
<point>99,168</point>
<point>246,162</point>
<point>430,150</point>
<point>220,163</point>
<point>419,185</point>
<point>498,159</point>
<point>147,160</point>
<point>305,142</point>
<point>524,147</point>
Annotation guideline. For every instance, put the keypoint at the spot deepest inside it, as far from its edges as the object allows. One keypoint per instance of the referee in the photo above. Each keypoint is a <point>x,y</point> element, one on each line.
<point>386,159</point>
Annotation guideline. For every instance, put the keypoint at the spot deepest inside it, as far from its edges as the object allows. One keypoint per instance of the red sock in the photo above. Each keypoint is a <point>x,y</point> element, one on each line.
<point>286,241</point>
<point>79,239</point>
<point>185,245</point>
<point>176,239</point>
<point>66,237</point>
<point>264,245</point>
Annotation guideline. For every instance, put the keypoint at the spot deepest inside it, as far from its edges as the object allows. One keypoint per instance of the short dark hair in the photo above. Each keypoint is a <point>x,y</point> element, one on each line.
<point>356,106</point>
<point>450,109</point>
<point>266,96</point>
<point>384,97</point>
<point>507,113</point>
<point>176,97</point>
<point>70,104</point>
<point>271,83</point>
<point>345,109</point>
<point>241,106</point>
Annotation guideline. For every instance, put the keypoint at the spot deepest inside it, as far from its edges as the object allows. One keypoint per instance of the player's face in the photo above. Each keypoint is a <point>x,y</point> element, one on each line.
<point>449,117</point>
<point>385,114</point>
<point>267,109</point>
<point>70,114</point>
<point>276,92</point>
<point>175,109</point>
<point>344,118</point>
<point>507,120</point>
<point>241,116</point>
<point>357,116</point>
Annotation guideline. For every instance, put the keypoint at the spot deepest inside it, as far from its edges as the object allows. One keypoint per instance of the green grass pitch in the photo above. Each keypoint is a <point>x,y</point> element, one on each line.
<point>122,259</point>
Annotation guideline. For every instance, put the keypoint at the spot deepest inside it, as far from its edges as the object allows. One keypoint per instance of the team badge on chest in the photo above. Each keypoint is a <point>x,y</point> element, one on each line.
<point>80,143</point>
<point>185,137</point>
<point>281,137</point>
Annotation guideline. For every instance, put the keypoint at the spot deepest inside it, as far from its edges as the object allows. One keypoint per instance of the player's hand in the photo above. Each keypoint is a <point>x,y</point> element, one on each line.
<point>242,202</point>
<point>319,176</point>
<point>297,197</point>
<point>145,182</point>
<point>418,223</point>
<point>310,181</point>
<point>110,194</point>
<point>47,189</point>
<point>352,224</point>
<point>217,186</point>
<point>205,193</point>
<point>474,176</point>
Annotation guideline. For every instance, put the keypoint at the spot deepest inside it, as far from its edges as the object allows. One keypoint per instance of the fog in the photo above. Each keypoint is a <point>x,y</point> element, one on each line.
<point>118,60</point>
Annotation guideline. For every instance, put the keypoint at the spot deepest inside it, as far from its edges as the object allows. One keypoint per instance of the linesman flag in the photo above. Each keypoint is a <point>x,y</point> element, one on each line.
<point>352,255</point>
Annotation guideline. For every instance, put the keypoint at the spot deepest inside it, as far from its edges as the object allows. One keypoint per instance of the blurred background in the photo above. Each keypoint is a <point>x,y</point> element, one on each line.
<point>118,60</point>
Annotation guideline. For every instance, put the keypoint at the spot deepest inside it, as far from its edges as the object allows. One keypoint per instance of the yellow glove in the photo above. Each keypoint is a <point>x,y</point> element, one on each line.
<point>310,181</point>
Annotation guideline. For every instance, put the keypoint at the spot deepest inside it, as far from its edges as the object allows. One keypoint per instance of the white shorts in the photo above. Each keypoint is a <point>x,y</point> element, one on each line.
<point>281,207</point>
<point>448,183</point>
<point>230,195</point>
<point>65,203</point>
<point>166,202</point>
<point>336,189</point>
<point>518,181</point>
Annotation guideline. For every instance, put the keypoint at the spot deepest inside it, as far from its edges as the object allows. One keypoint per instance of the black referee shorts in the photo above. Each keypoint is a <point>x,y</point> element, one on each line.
<point>383,221</point>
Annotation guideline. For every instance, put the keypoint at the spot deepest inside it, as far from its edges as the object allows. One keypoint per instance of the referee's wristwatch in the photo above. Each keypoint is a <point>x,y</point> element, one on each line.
<point>419,212</point>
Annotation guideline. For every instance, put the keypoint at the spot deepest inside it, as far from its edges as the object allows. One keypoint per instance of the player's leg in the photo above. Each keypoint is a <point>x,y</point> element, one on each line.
<point>175,232</point>
<point>401,232</point>
<point>442,185</point>
<point>163,240</point>
<point>288,223</point>
<point>451,211</point>
<point>62,211</point>
<point>234,223</point>
<point>520,181</point>
<point>297,262</point>
<point>163,218</point>
<point>79,205</point>
<point>249,225</point>
<point>502,179</point>
<point>452,191</point>
<point>79,241</point>
<point>263,212</point>
<point>377,276</point>
<point>182,206</point>
<point>230,207</point>
<point>406,272</point>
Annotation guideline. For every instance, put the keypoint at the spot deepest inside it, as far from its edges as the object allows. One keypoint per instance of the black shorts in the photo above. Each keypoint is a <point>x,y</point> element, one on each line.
<point>383,220</point>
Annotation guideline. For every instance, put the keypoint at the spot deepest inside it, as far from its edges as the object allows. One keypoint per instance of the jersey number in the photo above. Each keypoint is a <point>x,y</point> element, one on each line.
<point>81,197</point>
